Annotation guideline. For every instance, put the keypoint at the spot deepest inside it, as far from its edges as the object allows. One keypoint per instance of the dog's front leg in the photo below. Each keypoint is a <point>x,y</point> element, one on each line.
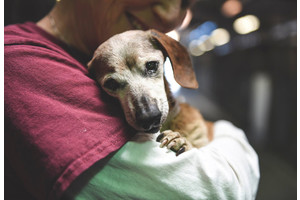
<point>174,141</point>
<point>188,129</point>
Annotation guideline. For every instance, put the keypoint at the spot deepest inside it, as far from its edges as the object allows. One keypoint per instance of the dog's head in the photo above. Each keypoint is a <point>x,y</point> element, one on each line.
<point>129,66</point>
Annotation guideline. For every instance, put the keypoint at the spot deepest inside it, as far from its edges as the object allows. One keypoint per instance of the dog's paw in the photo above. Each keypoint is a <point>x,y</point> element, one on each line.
<point>174,141</point>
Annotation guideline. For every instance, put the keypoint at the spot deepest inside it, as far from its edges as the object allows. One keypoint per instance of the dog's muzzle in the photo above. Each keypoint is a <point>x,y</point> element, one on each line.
<point>148,116</point>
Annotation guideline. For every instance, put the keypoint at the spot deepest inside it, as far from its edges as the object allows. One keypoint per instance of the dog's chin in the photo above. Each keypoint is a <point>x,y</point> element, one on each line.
<point>153,130</point>
<point>150,131</point>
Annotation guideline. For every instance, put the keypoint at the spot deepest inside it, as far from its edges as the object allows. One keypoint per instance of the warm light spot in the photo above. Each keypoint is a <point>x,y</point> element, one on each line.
<point>246,24</point>
<point>195,49</point>
<point>206,45</point>
<point>168,70</point>
<point>187,19</point>
<point>231,8</point>
<point>174,34</point>
<point>220,37</point>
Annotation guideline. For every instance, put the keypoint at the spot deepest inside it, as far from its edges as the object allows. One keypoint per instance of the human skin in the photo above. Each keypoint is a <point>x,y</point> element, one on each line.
<point>85,24</point>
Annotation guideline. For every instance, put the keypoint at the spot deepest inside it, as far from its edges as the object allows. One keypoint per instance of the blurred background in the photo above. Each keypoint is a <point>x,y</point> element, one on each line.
<point>245,56</point>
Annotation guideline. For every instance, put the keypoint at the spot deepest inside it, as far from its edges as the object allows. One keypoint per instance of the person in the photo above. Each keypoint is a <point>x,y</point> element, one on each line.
<point>66,138</point>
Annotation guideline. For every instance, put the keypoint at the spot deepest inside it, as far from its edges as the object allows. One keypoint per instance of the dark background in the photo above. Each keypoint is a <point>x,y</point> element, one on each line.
<point>258,67</point>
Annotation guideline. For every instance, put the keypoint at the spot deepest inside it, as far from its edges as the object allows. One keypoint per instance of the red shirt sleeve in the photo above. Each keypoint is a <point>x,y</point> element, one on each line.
<point>57,120</point>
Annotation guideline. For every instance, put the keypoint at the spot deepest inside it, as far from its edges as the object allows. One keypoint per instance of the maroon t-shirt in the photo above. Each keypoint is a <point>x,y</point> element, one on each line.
<point>58,122</point>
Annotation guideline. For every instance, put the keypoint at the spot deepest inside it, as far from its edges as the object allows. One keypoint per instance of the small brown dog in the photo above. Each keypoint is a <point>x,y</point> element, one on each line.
<point>129,66</point>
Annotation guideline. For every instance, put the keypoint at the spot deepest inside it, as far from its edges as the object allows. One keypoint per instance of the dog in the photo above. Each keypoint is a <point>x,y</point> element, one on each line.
<point>129,67</point>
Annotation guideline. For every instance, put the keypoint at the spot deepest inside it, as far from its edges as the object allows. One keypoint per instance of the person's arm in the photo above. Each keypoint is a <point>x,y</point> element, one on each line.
<point>57,121</point>
<point>227,168</point>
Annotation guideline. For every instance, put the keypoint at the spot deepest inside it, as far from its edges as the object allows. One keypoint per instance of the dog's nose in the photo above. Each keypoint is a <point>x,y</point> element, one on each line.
<point>149,121</point>
<point>148,116</point>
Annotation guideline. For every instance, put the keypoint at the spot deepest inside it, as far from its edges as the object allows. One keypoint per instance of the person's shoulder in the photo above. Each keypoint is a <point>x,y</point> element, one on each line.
<point>20,34</point>
<point>28,41</point>
<point>30,34</point>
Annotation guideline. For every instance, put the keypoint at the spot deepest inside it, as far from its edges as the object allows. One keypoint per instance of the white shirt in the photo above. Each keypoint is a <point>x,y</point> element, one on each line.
<point>227,168</point>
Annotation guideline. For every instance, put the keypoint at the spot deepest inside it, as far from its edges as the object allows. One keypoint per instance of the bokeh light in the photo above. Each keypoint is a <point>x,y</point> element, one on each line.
<point>220,37</point>
<point>246,24</point>
<point>231,8</point>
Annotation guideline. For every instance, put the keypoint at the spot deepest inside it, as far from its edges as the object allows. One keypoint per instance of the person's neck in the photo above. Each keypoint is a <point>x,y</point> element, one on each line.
<point>63,27</point>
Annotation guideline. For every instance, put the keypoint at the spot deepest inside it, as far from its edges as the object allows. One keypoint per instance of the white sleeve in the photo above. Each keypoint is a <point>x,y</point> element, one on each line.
<point>227,168</point>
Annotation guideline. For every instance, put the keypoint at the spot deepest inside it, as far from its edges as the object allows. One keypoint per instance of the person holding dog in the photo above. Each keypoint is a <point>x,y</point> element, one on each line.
<point>63,134</point>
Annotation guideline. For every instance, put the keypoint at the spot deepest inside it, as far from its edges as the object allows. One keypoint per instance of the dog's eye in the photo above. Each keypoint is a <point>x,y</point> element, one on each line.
<point>151,67</point>
<point>113,85</point>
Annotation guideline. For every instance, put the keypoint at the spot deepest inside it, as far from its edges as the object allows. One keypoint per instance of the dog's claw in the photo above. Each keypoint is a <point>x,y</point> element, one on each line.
<point>180,151</point>
<point>173,141</point>
<point>163,143</point>
<point>171,145</point>
<point>160,137</point>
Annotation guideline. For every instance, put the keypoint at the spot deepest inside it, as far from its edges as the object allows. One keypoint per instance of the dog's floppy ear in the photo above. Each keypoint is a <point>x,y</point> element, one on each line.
<point>180,59</point>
